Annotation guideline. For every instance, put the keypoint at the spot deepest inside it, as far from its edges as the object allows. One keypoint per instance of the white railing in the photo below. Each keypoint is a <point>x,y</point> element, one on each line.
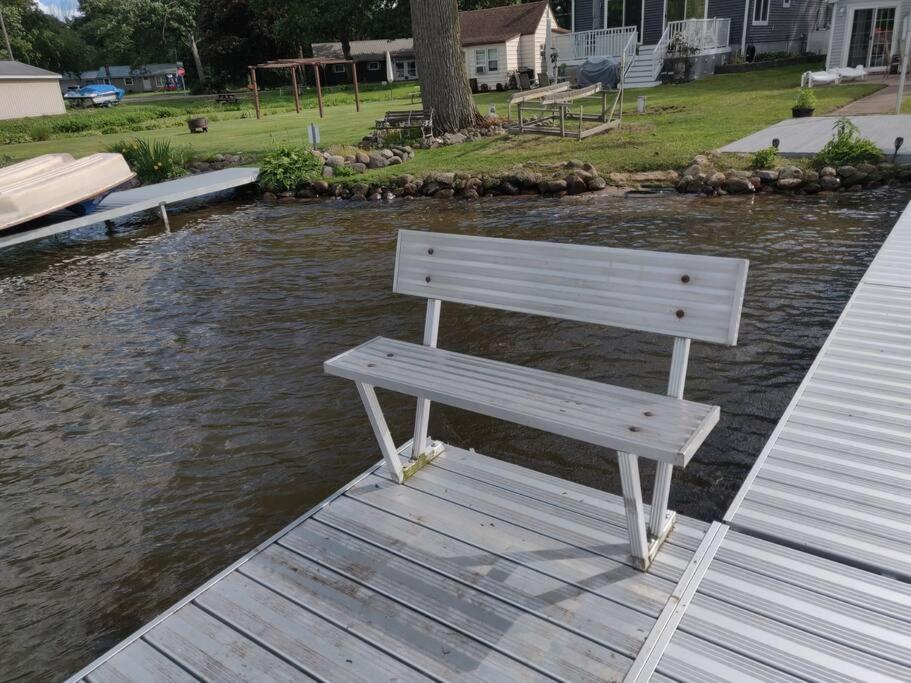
<point>701,34</point>
<point>660,53</point>
<point>607,42</point>
<point>628,54</point>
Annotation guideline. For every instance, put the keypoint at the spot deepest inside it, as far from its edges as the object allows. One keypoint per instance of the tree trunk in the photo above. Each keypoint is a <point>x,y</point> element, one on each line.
<point>191,41</point>
<point>441,64</point>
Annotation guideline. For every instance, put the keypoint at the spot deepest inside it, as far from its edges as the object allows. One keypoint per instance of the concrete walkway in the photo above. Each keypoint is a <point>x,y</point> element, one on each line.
<point>880,102</point>
<point>805,137</point>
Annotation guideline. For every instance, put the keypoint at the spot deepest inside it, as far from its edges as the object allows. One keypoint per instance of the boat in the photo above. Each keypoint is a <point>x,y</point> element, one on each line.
<point>50,183</point>
<point>100,95</point>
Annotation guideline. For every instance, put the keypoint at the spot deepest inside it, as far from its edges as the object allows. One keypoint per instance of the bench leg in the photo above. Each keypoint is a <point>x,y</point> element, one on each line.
<point>632,501</point>
<point>381,430</point>
<point>422,413</point>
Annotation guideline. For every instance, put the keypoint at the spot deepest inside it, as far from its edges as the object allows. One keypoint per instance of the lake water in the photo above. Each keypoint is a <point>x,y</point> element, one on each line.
<point>163,407</point>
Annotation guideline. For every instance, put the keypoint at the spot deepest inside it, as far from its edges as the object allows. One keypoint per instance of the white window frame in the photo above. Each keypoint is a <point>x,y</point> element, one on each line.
<point>786,4</point>
<point>759,5</point>
<point>495,60</point>
<point>373,66</point>
<point>480,61</point>
<point>339,69</point>
<point>128,81</point>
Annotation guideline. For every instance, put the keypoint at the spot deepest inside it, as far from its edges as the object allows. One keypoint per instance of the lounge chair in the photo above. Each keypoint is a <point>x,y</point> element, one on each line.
<point>811,78</point>
<point>847,73</point>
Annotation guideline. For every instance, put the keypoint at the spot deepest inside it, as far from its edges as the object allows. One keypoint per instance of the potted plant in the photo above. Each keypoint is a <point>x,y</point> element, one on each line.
<point>200,124</point>
<point>805,104</point>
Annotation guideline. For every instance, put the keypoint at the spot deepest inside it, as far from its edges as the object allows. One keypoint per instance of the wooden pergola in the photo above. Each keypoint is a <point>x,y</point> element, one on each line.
<point>295,64</point>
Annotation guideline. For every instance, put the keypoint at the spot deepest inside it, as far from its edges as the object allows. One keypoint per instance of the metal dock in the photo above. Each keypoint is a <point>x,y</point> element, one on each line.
<point>128,202</point>
<point>476,569</point>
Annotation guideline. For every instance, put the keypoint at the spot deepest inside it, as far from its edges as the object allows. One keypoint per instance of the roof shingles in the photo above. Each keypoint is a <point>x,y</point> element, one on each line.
<point>498,24</point>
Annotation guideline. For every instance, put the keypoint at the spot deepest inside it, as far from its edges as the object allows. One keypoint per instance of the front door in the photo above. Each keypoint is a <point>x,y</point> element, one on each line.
<point>872,37</point>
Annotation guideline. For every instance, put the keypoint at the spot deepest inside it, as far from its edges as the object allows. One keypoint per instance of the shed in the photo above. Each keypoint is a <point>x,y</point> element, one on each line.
<point>26,90</point>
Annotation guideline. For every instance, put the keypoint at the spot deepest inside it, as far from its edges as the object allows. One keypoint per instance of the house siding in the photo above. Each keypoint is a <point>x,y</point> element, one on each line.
<point>508,60</point>
<point>787,28</point>
<point>838,55</point>
<point>654,22</point>
<point>584,15</point>
<point>25,97</point>
<point>531,44</point>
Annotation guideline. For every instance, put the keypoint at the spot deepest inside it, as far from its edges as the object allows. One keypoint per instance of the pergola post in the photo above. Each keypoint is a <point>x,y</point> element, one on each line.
<point>357,97</point>
<point>319,89</point>
<point>297,101</point>
<point>255,90</point>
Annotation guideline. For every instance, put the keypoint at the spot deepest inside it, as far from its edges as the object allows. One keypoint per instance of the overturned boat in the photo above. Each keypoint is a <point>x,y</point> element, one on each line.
<point>50,183</point>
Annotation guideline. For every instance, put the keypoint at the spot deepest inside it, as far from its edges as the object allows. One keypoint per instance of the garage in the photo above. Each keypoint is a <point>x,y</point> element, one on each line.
<point>26,90</point>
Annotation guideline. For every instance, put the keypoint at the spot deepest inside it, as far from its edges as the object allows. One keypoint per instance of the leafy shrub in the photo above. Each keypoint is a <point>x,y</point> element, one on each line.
<point>764,158</point>
<point>847,147</point>
<point>343,172</point>
<point>806,99</point>
<point>402,136</point>
<point>155,161</point>
<point>287,166</point>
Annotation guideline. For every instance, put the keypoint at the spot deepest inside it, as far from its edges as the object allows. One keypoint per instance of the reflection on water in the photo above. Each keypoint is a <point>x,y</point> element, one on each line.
<point>163,408</point>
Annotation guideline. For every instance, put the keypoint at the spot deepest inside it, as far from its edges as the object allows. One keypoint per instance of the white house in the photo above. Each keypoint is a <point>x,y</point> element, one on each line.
<point>500,40</point>
<point>867,32</point>
<point>26,90</point>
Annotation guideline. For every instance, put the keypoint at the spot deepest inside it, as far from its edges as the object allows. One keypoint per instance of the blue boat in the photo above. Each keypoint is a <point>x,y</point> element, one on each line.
<point>100,95</point>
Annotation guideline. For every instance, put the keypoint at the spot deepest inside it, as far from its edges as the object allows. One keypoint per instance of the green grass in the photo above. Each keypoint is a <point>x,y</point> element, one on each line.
<point>681,121</point>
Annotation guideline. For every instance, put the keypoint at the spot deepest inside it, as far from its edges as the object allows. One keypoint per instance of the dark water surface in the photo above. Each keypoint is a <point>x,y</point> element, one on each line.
<point>163,408</point>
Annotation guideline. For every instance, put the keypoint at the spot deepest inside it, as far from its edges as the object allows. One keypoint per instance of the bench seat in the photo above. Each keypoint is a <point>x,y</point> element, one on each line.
<point>658,427</point>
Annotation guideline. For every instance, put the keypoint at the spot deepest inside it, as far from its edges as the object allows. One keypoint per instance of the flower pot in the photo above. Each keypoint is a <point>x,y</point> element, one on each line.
<point>801,112</point>
<point>198,125</point>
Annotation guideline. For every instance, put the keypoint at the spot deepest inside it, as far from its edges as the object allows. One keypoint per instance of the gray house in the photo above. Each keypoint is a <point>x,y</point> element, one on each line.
<point>715,29</point>
<point>144,78</point>
<point>867,33</point>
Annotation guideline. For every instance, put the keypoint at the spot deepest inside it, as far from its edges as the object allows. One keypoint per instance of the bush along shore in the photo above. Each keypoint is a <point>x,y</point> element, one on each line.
<point>574,177</point>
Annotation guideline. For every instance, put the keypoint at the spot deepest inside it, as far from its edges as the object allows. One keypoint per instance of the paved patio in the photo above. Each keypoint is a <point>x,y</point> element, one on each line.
<point>880,102</point>
<point>805,137</point>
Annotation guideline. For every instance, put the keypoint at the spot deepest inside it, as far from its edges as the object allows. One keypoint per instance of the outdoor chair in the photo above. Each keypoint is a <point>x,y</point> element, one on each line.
<point>847,73</point>
<point>811,78</point>
<point>682,296</point>
<point>543,79</point>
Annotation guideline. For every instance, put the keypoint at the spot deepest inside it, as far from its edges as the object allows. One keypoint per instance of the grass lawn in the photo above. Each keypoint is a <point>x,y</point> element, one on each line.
<point>681,121</point>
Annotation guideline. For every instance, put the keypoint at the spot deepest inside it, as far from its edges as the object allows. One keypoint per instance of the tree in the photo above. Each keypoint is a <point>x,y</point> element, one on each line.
<point>441,64</point>
<point>42,40</point>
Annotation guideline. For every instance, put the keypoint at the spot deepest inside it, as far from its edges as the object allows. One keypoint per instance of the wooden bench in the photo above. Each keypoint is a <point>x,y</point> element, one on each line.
<point>413,119</point>
<point>683,296</point>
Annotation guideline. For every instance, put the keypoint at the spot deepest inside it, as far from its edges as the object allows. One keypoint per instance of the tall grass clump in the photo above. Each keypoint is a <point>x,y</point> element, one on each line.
<point>847,147</point>
<point>153,161</point>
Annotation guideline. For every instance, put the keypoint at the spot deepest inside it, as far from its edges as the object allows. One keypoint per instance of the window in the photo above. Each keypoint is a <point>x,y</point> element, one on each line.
<point>373,66</point>
<point>106,81</point>
<point>786,4</point>
<point>128,81</point>
<point>486,60</point>
<point>761,11</point>
<point>338,68</point>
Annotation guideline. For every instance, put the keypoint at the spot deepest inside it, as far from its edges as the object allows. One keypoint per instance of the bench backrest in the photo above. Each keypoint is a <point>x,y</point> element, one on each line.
<point>682,295</point>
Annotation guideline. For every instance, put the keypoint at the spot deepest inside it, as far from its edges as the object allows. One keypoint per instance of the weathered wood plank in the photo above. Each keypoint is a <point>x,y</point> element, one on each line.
<point>140,663</point>
<point>215,652</point>
<point>579,567</point>
<point>563,604</point>
<point>535,642</point>
<point>315,645</point>
<point>429,645</point>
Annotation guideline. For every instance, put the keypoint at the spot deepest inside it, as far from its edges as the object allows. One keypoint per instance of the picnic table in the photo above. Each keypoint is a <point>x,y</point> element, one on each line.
<point>226,98</point>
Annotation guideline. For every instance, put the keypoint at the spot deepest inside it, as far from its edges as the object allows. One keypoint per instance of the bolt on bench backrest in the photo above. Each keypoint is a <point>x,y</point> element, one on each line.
<point>681,295</point>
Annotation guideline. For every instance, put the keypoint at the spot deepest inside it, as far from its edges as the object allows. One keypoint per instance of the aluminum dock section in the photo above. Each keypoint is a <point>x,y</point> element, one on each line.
<point>128,202</point>
<point>835,478</point>
<point>473,570</point>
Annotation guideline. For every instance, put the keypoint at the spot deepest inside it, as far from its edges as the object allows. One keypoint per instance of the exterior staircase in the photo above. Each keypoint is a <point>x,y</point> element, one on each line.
<point>643,72</point>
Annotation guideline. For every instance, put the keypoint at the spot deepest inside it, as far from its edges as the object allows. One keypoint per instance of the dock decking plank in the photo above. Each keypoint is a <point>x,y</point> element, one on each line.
<point>140,663</point>
<point>315,645</point>
<point>524,636</point>
<point>573,608</point>
<point>577,567</point>
<point>436,649</point>
<point>213,651</point>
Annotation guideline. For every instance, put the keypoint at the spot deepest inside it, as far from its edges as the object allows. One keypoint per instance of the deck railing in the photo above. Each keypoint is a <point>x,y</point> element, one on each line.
<point>702,34</point>
<point>607,42</point>
<point>660,53</point>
